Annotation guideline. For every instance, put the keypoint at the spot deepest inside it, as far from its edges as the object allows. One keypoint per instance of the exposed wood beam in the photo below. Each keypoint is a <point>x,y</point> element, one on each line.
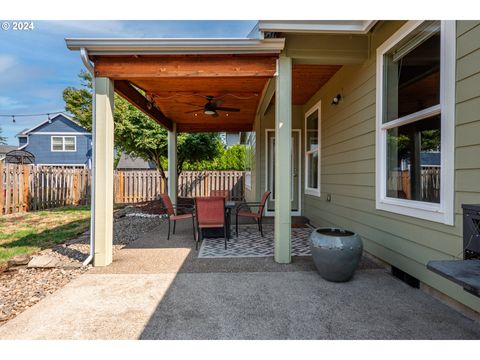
<point>130,67</point>
<point>267,97</point>
<point>132,95</point>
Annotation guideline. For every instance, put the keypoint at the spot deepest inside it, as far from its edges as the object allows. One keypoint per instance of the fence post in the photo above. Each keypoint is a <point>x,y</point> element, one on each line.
<point>75,192</point>
<point>121,188</point>
<point>26,176</point>
<point>2,199</point>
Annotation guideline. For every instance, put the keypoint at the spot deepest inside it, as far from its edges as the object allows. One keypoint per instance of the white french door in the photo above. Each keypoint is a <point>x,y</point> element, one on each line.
<point>270,171</point>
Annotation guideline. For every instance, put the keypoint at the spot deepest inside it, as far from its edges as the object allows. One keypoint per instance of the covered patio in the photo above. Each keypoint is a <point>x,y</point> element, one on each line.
<point>179,83</point>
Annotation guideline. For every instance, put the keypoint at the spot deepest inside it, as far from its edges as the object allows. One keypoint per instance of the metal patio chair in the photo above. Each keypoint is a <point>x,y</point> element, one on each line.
<point>210,213</point>
<point>222,193</point>
<point>173,215</point>
<point>243,210</point>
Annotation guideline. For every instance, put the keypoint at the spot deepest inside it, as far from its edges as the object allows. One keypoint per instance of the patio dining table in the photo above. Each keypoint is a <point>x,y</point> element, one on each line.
<point>213,232</point>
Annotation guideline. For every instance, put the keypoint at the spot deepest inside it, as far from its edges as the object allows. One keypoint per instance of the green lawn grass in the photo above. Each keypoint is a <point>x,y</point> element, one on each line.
<point>30,232</point>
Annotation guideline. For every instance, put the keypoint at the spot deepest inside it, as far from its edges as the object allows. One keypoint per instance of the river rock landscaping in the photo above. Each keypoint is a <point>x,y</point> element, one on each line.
<point>29,278</point>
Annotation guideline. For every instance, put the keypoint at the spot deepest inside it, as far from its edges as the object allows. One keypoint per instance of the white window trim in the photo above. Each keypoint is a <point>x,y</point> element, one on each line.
<point>63,143</point>
<point>308,190</point>
<point>443,212</point>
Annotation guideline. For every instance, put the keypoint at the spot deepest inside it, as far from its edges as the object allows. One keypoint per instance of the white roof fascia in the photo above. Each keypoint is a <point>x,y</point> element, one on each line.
<point>158,46</point>
<point>317,26</point>
<point>49,120</point>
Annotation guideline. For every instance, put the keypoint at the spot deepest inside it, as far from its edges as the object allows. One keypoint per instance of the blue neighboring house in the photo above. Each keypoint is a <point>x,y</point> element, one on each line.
<point>58,141</point>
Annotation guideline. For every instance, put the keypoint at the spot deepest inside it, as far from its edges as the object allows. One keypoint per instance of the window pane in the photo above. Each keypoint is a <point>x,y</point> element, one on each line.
<point>312,131</point>
<point>69,143</point>
<point>57,143</point>
<point>412,72</point>
<point>413,161</point>
<point>312,170</point>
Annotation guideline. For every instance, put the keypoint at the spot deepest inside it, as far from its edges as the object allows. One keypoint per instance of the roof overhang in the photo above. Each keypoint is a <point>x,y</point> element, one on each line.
<point>315,26</point>
<point>176,46</point>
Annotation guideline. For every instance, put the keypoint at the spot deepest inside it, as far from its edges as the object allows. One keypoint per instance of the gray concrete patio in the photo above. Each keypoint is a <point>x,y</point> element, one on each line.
<point>159,289</point>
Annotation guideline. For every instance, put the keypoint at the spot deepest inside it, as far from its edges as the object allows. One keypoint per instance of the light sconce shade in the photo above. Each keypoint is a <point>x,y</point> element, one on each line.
<point>336,99</point>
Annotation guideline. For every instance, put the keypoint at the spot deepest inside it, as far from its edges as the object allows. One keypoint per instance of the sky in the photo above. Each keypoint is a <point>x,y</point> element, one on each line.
<point>36,66</point>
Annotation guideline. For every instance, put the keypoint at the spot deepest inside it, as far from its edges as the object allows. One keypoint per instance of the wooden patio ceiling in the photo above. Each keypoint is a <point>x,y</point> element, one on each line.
<point>177,85</point>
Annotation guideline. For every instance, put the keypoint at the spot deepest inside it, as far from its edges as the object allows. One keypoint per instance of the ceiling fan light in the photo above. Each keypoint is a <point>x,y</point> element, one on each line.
<point>210,112</point>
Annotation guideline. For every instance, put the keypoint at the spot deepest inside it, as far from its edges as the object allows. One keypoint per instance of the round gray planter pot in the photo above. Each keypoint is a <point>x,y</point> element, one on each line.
<point>336,253</point>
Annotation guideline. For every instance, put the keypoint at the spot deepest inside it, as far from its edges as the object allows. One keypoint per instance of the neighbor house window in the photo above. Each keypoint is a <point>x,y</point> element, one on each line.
<point>64,143</point>
<point>312,151</point>
<point>415,122</point>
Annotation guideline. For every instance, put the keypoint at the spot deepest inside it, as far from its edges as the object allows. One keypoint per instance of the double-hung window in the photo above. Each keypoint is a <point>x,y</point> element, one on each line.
<point>415,121</point>
<point>64,143</point>
<point>312,151</point>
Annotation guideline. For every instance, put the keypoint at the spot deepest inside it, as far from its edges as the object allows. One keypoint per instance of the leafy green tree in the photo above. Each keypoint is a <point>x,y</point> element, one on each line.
<point>138,135</point>
<point>3,140</point>
<point>232,158</point>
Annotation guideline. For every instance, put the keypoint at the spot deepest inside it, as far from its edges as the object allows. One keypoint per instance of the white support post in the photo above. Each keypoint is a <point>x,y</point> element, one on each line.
<point>172,164</point>
<point>283,155</point>
<point>103,171</point>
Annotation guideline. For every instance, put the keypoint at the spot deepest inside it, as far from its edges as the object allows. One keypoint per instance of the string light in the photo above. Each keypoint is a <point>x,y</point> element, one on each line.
<point>14,116</point>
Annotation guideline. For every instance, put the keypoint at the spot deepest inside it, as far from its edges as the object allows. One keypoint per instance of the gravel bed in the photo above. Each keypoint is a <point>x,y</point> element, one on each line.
<point>22,288</point>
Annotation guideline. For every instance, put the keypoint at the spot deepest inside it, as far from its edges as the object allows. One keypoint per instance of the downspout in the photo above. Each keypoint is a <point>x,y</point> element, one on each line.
<point>90,68</point>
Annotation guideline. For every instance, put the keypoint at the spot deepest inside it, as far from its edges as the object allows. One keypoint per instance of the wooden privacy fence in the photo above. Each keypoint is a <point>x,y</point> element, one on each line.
<point>399,184</point>
<point>133,186</point>
<point>201,183</point>
<point>30,187</point>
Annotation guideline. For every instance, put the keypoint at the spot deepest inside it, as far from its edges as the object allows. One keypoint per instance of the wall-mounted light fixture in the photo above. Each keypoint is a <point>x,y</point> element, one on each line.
<point>336,99</point>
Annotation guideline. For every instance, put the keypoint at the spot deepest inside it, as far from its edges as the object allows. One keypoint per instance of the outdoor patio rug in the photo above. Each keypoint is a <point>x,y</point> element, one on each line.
<point>250,243</point>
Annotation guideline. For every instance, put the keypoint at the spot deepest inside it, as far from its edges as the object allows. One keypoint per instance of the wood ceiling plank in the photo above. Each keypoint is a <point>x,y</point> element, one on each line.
<point>308,79</point>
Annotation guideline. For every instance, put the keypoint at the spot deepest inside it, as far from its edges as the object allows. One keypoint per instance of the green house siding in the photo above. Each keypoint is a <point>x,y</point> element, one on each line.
<point>348,165</point>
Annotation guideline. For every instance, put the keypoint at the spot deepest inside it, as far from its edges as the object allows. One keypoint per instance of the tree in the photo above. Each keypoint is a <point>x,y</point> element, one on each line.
<point>232,158</point>
<point>138,135</point>
<point>3,140</point>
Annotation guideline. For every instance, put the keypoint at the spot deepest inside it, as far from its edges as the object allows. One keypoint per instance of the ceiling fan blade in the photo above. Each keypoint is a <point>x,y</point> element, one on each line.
<point>193,111</point>
<point>228,109</point>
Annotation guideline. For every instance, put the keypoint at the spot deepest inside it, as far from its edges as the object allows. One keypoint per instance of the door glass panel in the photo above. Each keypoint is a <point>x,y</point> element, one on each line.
<point>270,176</point>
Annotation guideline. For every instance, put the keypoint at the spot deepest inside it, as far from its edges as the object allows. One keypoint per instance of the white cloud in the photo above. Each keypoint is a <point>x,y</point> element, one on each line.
<point>7,102</point>
<point>92,28</point>
<point>6,62</point>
